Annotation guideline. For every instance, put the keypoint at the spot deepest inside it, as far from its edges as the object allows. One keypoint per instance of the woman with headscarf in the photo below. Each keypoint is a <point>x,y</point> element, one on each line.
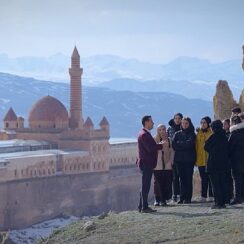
<point>218,163</point>
<point>185,156</point>
<point>202,156</point>
<point>163,171</point>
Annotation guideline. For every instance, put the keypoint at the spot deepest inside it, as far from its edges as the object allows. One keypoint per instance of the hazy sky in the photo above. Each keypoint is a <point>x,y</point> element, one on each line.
<point>152,30</point>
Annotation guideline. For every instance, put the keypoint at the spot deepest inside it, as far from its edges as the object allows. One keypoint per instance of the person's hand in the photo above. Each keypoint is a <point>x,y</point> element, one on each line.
<point>166,143</point>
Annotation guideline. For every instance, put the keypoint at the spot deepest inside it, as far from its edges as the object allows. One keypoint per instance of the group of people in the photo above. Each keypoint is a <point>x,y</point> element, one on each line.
<point>215,148</point>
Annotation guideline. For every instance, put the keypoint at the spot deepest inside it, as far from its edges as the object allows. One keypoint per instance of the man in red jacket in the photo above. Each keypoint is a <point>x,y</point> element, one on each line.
<point>148,152</point>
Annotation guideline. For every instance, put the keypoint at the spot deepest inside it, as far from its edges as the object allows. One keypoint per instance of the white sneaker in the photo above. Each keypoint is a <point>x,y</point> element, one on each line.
<point>210,199</point>
<point>203,199</point>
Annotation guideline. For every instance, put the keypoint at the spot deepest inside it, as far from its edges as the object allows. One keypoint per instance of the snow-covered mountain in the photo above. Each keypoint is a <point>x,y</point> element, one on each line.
<point>192,89</point>
<point>101,68</point>
<point>123,109</point>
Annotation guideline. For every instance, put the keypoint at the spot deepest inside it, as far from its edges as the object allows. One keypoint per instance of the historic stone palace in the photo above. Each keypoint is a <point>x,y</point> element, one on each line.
<point>61,164</point>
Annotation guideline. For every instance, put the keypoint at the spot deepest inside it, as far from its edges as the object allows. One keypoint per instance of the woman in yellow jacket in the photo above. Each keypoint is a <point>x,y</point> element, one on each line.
<point>202,156</point>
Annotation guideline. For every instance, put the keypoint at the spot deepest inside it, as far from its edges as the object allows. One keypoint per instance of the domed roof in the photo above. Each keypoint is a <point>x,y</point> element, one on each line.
<point>48,109</point>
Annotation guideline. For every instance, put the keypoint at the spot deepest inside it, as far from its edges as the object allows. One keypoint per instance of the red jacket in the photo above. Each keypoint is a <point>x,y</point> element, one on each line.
<point>148,149</point>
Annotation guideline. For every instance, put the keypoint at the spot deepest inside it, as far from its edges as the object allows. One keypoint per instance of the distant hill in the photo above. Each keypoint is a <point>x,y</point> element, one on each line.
<point>123,109</point>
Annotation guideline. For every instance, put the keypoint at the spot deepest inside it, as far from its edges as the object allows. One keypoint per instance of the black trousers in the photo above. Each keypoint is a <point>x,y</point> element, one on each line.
<point>206,187</point>
<point>162,185</point>
<point>242,187</point>
<point>145,186</point>
<point>230,184</point>
<point>220,187</point>
<point>185,171</point>
<point>239,184</point>
<point>176,181</point>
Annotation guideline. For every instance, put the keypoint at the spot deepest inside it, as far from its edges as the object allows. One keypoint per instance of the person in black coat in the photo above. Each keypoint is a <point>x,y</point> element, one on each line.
<point>174,126</point>
<point>226,127</point>
<point>218,163</point>
<point>185,156</point>
<point>236,146</point>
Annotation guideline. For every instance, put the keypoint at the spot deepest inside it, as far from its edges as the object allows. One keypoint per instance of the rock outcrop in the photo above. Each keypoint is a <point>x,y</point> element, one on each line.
<point>223,100</point>
<point>241,101</point>
<point>243,57</point>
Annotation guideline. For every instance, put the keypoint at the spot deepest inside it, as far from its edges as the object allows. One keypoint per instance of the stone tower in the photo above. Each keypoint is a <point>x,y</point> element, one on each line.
<point>75,73</point>
<point>10,119</point>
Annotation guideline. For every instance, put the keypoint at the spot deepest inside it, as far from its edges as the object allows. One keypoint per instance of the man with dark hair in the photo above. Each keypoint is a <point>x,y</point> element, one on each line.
<point>148,152</point>
<point>235,111</point>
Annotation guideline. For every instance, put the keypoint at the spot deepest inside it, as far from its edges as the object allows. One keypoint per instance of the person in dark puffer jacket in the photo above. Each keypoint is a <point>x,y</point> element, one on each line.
<point>218,163</point>
<point>174,126</point>
<point>236,146</point>
<point>185,156</point>
<point>226,127</point>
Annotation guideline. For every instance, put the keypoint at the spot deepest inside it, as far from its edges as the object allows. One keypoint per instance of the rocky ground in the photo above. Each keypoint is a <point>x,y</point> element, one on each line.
<point>193,223</point>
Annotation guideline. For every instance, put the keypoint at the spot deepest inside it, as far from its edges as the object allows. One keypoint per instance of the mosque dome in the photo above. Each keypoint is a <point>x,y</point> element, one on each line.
<point>48,112</point>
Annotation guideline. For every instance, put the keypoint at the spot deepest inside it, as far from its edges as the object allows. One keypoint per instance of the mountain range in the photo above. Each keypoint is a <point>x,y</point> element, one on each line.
<point>187,76</point>
<point>123,109</point>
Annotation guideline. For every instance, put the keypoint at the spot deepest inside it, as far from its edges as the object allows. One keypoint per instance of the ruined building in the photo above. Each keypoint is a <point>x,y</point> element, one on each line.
<point>224,101</point>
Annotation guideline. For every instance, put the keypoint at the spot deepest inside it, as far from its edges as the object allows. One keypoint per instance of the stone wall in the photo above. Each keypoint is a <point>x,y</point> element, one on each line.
<point>25,202</point>
<point>122,154</point>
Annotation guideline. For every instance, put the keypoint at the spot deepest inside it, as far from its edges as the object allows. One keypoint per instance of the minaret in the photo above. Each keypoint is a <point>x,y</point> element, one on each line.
<point>75,73</point>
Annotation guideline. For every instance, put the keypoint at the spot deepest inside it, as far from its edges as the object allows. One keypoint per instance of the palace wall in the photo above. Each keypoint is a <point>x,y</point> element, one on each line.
<point>28,201</point>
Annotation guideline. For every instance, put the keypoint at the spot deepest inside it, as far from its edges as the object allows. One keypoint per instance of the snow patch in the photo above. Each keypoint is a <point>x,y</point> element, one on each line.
<point>38,231</point>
